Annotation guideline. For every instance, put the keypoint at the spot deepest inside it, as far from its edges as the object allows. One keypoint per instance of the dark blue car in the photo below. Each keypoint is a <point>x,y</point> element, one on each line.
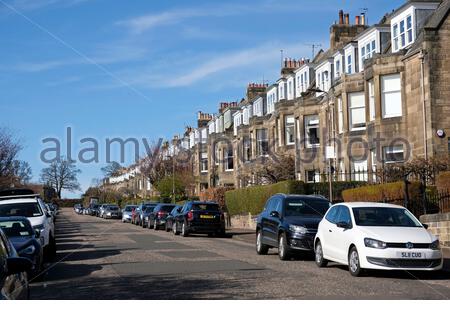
<point>25,240</point>
<point>289,223</point>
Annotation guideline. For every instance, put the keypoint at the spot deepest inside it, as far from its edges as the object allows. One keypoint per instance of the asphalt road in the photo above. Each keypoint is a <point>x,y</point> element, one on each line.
<point>100,259</point>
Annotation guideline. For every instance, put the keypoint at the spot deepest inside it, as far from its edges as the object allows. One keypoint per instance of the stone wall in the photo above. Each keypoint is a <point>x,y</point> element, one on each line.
<point>439,225</point>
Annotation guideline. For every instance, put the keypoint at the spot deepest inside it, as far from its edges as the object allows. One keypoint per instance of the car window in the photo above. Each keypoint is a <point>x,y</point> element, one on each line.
<point>305,207</point>
<point>344,216</point>
<point>385,217</point>
<point>167,208</point>
<point>205,207</point>
<point>277,205</point>
<point>28,210</point>
<point>270,205</point>
<point>3,253</point>
<point>332,214</point>
<point>16,229</point>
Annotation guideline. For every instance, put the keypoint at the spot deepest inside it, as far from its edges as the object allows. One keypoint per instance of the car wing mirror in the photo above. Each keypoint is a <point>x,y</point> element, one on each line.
<point>425,226</point>
<point>275,214</point>
<point>343,225</point>
<point>18,265</point>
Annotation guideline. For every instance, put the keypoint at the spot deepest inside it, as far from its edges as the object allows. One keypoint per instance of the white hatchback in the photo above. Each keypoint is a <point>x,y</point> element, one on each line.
<point>375,236</point>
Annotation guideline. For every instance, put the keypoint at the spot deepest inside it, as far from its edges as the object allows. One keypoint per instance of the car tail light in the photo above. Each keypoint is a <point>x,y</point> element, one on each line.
<point>161,214</point>
<point>190,216</point>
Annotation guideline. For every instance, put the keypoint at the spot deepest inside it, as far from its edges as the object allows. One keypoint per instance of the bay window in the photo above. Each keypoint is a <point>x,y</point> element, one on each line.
<point>312,131</point>
<point>289,127</point>
<point>262,142</point>
<point>357,111</point>
<point>204,162</point>
<point>228,158</point>
<point>391,96</point>
<point>247,149</point>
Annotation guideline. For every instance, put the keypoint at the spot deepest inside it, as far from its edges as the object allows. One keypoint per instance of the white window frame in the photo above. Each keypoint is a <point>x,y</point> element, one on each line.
<point>371,93</point>
<point>226,159</point>
<point>360,170</point>
<point>356,108</point>
<point>262,140</point>
<point>203,162</point>
<point>289,125</point>
<point>340,115</point>
<point>312,122</point>
<point>389,110</point>
<point>392,151</point>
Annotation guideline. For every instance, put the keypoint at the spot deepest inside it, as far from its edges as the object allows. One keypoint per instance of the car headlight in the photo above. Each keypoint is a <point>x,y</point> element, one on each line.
<point>297,229</point>
<point>376,244</point>
<point>28,250</point>
<point>435,245</point>
<point>39,229</point>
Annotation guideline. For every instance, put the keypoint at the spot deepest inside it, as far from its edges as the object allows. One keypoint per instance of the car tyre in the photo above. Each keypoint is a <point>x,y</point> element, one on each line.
<point>283,250</point>
<point>354,265</point>
<point>184,232</point>
<point>261,248</point>
<point>166,227</point>
<point>155,226</point>
<point>318,252</point>
<point>175,228</point>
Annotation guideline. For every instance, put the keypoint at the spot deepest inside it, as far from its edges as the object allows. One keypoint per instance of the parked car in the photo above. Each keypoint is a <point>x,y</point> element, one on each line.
<point>24,203</point>
<point>289,223</point>
<point>146,214</point>
<point>101,210</point>
<point>13,272</point>
<point>199,217</point>
<point>127,213</point>
<point>93,209</point>
<point>78,208</point>
<point>112,211</point>
<point>376,236</point>
<point>26,241</point>
<point>142,212</point>
<point>170,217</point>
<point>157,218</point>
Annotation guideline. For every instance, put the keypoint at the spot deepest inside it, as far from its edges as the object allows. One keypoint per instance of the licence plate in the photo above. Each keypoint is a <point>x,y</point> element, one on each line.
<point>204,216</point>
<point>411,255</point>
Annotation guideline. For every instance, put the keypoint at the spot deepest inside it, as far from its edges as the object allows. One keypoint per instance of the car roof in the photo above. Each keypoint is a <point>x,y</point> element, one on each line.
<point>370,205</point>
<point>302,196</point>
<point>21,200</point>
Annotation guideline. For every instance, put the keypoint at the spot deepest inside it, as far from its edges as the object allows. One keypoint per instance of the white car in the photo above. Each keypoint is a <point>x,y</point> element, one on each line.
<point>375,236</point>
<point>32,207</point>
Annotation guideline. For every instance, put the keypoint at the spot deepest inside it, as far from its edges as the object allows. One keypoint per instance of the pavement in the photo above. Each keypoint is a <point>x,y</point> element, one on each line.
<point>99,259</point>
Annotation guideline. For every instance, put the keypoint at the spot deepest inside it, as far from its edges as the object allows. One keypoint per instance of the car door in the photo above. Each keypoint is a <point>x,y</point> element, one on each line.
<point>343,236</point>
<point>328,236</point>
<point>273,222</point>
<point>4,285</point>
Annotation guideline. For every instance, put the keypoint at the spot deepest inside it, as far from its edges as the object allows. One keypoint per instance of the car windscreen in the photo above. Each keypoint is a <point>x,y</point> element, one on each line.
<point>205,207</point>
<point>149,209</point>
<point>16,229</point>
<point>306,207</point>
<point>113,208</point>
<point>384,217</point>
<point>166,208</point>
<point>129,208</point>
<point>95,206</point>
<point>28,210</point>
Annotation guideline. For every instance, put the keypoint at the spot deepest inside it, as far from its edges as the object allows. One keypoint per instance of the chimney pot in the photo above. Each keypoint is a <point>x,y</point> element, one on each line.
<point>363,19</point>
<point>341,17</point>
<point>357,20</point>
<point>347,19</point>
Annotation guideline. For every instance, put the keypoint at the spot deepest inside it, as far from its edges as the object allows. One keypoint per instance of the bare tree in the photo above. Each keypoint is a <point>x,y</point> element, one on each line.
<point>9,149</point>
<point>61,175</point>
<point>276,169</point>
<point>111,170</point>
<point>22,172</point>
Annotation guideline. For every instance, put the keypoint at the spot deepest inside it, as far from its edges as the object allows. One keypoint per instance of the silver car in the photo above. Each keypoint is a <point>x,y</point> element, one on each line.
<point>127,212</point>
<point>112,212</point>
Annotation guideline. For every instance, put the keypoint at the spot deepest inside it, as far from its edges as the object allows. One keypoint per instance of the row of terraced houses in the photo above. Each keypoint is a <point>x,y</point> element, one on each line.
<point>380,94</point>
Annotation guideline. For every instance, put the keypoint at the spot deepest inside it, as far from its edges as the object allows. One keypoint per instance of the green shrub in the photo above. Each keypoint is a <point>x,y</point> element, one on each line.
<point>252,199</point>
<point>382,192</point>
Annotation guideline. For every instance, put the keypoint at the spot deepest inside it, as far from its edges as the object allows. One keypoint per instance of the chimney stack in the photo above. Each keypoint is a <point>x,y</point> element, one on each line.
<point>363,19</point>
<point>357,20</point>
<point>341,16</point>
<point>347,19</point>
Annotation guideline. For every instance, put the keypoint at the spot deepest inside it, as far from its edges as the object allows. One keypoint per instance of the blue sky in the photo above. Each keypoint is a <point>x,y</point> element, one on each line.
<point>143,68</point>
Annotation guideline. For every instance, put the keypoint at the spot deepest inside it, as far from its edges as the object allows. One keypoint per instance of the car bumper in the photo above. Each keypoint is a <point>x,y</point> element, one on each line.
<point>126,218</point>
<point>394,259</point>
<point>301,242</point>
<point>212,228</point>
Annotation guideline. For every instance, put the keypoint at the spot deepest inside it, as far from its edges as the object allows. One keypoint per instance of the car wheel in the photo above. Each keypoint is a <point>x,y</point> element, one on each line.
<point>283,250</point>
<point>261,248</point>
<point>155,226</point>
<point>166,227</point>
<point>184,232</point>
<point>320,261</point>
<point>175,228</point>
<point>354,265</point>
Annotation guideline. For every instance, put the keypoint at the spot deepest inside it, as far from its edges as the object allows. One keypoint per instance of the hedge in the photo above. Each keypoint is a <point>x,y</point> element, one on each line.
<point>252,199</point>
<point>382,192</point>
<point>443,181</point>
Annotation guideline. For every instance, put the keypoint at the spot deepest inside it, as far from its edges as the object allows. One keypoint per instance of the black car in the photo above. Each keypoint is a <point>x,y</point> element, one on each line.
<point>199,217</point>
<point>94,209</point>
<point>142,213</point>
<point>289,223</point>
<point>13,272</point>
<point>157,218</point>
<point>26,241</point>
<point>170,218</point>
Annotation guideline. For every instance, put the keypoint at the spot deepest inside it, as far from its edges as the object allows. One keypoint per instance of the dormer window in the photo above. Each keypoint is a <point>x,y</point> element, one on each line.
<point>402,33</point>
